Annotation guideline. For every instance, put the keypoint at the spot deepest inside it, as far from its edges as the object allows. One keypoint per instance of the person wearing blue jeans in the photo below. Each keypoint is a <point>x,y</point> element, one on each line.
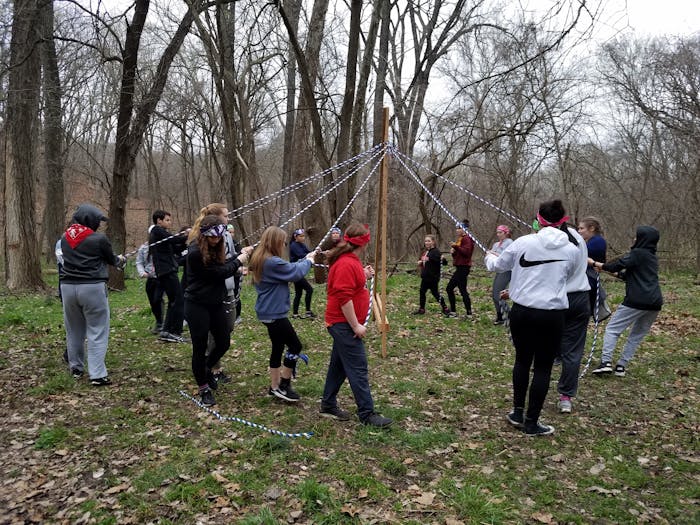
<point>346,310</point>
<point>643,299</point>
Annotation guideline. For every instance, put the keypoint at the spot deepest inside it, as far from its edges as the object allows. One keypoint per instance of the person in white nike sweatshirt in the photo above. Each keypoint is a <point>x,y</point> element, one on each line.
<point>540,265</point>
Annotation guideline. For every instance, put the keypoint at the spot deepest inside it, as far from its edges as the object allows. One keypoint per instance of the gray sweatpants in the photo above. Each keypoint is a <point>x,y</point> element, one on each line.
<point>86,316</point>
<point>641,321</point>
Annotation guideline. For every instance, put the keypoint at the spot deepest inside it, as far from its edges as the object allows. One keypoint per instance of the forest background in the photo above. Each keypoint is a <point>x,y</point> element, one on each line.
<point>166,104</point>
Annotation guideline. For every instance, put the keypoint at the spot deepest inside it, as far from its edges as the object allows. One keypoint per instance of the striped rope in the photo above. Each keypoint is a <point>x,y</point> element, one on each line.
<point>371,296</point>
<point>134,252</point>
<point>217,415</point>
<point>595,327</point>
<point>259,203</point>
<point>461,188</point>
<point>416,178</point>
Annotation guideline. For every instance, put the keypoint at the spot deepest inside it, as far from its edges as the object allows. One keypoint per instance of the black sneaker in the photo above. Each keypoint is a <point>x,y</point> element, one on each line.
<point>336,413</point>
<point>605,367</point>
<point>309,315</point>
<point>157,329</point>
<point>76,374</point>
<point>452,315</point>
<point>534,428</point>
<point>420,311</point>
<point>620,371</point>
<point>515,418</point>
<point>222,378</point>
<point>286,392</point>
<point>497,322</point>
<point>207,398</point>
<point>375,420</point>
<point>101,381</point>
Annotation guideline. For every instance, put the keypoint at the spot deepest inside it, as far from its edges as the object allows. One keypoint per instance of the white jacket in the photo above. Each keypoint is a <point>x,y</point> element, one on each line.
<point>578,282</point>
<point>541,264</point>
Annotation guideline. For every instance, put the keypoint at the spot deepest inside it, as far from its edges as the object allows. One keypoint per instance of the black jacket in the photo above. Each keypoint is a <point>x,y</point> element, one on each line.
<point>85,259</point>
<point>640,271</point>
<point>165,254</point>
<point>431,268</point>
<point>207,284</point>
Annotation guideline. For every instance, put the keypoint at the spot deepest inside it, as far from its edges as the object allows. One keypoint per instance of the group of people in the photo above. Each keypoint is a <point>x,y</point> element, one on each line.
<point>547,275</point>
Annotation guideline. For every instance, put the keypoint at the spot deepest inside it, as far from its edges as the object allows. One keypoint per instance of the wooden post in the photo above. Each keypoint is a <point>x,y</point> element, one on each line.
<point>380,241</point>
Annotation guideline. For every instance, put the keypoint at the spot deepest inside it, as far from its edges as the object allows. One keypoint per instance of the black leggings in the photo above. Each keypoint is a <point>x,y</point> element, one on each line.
<point>427,285</point>
<point>154,292</point>
<point>300,286</point>
<point>459,281</point>
<point>537,339</point>
<point>202,319</point>
<point>282,334</point>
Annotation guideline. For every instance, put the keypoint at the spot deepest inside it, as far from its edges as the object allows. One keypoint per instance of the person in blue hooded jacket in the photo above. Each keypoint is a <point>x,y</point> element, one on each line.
<point>86,255</point>
<point>297,251</point>
<point>271,276</point>
<point>642,303</point>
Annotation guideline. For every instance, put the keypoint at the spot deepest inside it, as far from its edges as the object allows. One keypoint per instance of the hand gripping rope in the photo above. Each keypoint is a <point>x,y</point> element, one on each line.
<point>216,414</point>
<point>371,295</point>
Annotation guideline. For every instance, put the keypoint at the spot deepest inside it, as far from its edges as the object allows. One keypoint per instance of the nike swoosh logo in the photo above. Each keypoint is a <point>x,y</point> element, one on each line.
<point>526,264</point>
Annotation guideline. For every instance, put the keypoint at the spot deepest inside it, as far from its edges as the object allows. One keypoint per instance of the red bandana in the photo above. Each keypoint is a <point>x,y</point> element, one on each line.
<point>544,222</point>
<point>360,240</point>
<point>77,233</point>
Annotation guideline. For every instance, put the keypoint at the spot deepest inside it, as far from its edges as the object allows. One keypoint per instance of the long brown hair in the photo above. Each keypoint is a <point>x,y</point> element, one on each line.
<point>210,254</point>
<point>354,230</point>
<point>215,208</point>
<point>271,245</point>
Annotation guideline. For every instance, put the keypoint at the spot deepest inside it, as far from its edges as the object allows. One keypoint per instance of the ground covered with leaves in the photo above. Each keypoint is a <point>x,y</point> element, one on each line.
<point>139,452</point>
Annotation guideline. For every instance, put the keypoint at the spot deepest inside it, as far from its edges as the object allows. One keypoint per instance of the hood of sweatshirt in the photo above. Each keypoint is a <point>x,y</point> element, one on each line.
<point>647,238</point>
<point>88,215</point>
<point>551,238</point>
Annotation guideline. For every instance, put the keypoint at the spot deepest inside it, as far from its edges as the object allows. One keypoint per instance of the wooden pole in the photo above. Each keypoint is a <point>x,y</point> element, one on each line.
<point>381,239</point>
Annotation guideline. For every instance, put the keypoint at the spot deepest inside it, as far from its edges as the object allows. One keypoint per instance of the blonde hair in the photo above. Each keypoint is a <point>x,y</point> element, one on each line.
<point>271,245</point>
<point>215,208</point>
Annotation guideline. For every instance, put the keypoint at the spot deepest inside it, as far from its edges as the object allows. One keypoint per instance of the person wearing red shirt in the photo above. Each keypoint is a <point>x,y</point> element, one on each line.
<point>346,309</point>
<point>461,251</point>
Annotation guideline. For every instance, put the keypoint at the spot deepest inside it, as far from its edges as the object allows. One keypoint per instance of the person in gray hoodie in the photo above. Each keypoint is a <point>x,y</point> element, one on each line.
<point>642,303</point>
<point>86,255</point>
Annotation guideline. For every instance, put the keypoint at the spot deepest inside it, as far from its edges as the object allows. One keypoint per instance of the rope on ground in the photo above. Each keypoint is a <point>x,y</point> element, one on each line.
<point>251,424</point>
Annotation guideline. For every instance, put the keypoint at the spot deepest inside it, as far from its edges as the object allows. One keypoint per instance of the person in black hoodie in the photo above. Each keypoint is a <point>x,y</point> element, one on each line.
<point>205,311</point>
<point>429,266</point>
<point>640,270</point>
<point>86,255</point>
<point>165,248</point>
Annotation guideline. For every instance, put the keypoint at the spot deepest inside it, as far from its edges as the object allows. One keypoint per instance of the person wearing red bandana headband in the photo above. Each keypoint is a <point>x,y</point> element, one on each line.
<point>541,265</point>
<point>346,309</point>
<point>461,251</point>
<point>86,255</point>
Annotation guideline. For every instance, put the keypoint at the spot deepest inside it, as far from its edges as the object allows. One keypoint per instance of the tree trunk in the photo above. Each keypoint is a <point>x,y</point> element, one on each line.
<point>23,267</point>
<point>293,8</point>
<point>130,132</point>
<point>55,210</point>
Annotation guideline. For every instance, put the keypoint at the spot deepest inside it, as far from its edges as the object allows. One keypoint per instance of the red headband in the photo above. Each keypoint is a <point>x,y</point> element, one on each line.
<point>543,222</point>
<point>360,240</point>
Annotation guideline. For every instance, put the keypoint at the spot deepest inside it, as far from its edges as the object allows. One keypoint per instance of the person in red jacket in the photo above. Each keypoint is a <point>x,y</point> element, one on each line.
<point>346,309</point>
<point>461,251</point>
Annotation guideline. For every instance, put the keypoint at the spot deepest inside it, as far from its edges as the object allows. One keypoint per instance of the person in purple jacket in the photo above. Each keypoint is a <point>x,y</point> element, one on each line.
<point>298,251</point>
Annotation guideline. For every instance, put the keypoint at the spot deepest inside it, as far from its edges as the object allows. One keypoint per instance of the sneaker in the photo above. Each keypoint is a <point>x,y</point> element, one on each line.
<point>375,420</point>
<point>620,371</point>
<point>605,367</point>
<point>420,311</point>
<point>100,381</point>
<point>221,377</point>
<point>296,316</point>
<point>211,380</point>
<point>309,315</point>
<point>515,418</point>
<point>452,315</point>
<point>207,398</point>
<point>564,404</point>
<point>157,329</point>
<point>534,428</point>
<point>497,322</point>
<point>336,413</point>
<point>75,373</point>
<point>167,337</point>
<point>286,392</point>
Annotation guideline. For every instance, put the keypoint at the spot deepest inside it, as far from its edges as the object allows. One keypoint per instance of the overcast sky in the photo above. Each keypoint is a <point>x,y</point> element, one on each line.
<point>664,17</point>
